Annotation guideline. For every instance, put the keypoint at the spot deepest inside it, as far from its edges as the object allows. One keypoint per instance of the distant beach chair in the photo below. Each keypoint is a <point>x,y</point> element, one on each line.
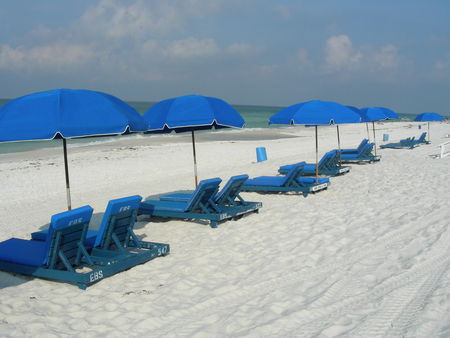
<point>59,255</point>
<point>291,182</point>
<point>328,166</point>
<point>115,241</point>
<point>200,206</point>
<point>357,149</point>
<point>228,196</point>
<point>364,155</point>
<point>403,144</point>
<point>420,140</point>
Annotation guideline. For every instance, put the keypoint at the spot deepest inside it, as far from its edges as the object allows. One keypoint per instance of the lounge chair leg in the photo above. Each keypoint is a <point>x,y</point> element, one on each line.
<point>213,224</point>
<point>82,286</point>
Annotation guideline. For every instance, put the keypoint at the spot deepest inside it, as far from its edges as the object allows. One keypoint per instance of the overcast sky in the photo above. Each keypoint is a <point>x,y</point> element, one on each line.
<point>362,53</point>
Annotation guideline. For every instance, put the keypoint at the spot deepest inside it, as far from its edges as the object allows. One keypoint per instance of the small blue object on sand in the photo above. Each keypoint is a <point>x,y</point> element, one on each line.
<point>55,253</point>
<point>204,203</point>
<point>261,154</point>
<point>292,182</point>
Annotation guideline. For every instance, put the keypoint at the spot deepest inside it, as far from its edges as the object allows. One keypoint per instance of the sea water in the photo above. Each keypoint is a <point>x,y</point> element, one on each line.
<point>254,116</point>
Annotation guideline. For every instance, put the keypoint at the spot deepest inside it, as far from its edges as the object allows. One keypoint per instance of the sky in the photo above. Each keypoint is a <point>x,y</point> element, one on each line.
<point>362,53</point>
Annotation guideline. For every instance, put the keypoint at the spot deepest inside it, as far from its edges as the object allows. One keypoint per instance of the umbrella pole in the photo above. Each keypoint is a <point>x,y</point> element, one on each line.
<point>428,131</point>
<point>317,157</point>
<point>374,139</point>
<point>66,168</point>
<point>339,145</point>
<point>195,159</point>
<point>368,134</point>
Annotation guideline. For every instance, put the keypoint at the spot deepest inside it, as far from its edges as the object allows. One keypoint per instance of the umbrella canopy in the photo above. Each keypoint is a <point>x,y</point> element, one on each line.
<point>66,113</point>
<point>372,114</point>
<point>316,113</point>
<point>389,113</point>
<point>191,113</point>
<point>429,117</point>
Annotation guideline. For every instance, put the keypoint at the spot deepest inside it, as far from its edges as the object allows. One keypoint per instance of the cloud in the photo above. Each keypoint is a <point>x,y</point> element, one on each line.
<point>340,54</point>
<point>191,47</point>
<point>139,19</point>
<point>443,66</point>
<point>53,56</point>
<point>284,12</point>
<point>387,57</point>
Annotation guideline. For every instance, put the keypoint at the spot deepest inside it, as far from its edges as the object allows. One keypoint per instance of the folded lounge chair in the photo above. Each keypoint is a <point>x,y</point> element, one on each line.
<point>227,197</point>
<point>59,255</point>
<point>403,144</point>
<point>200,206</point>
<point>356,150</point>
<point>328,166</point>
<point>363,156</point>
<point>420,140</point>
<point>292,182</point>
<point>115,244</point>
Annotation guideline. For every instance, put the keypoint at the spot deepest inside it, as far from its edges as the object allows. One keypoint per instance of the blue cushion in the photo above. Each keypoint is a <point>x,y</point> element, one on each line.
<point>89,241</point>
<point>290,166</point>
<point>312,180</point>
<point>114,207</point>
<point>151,205</point>
<point>176,197</point>
<point>23,251</point>
<point>35,252</point>
<point>273,181</point>
<point>310,167</point>
<point>349,156</point>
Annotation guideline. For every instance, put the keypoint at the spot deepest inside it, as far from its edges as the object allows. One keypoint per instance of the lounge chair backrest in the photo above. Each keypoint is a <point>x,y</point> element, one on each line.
<point>230,191</point>
<point>203,194</point>
<point>362,145</point>
<point>329,159</point>
<point>366,150</point>
<point>66,231</point>
<point>120,216</point>
<point>293,173</point>
<point>422,137</point>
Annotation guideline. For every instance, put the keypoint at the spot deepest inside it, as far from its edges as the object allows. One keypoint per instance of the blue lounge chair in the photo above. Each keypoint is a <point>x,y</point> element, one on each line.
<point>356,150</point>
<point>363,156</point>
<point>115,241</point>
<point>59,254</point>
<point>200,206</point>
<point>420,140</point>
<point>403,144</point>
<point>292,182</point>
<point>228,196</point>
<point>328,166</point>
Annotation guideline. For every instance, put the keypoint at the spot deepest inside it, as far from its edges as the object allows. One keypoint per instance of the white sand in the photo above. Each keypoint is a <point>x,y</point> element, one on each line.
<point>368,257</point>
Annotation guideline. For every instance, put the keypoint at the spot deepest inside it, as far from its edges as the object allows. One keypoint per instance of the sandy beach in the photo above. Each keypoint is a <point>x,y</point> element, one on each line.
<point>369,257</point>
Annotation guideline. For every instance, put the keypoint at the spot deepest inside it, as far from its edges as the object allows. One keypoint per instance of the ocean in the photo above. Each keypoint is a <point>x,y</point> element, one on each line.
<point>254,116</point>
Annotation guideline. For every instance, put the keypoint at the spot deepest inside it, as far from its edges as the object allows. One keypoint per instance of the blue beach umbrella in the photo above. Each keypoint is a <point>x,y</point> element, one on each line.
<point>191,113</point>
<point>66,114</point>
<point>315,113</point>
<point>372,114</point>
<point>428,117</point>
